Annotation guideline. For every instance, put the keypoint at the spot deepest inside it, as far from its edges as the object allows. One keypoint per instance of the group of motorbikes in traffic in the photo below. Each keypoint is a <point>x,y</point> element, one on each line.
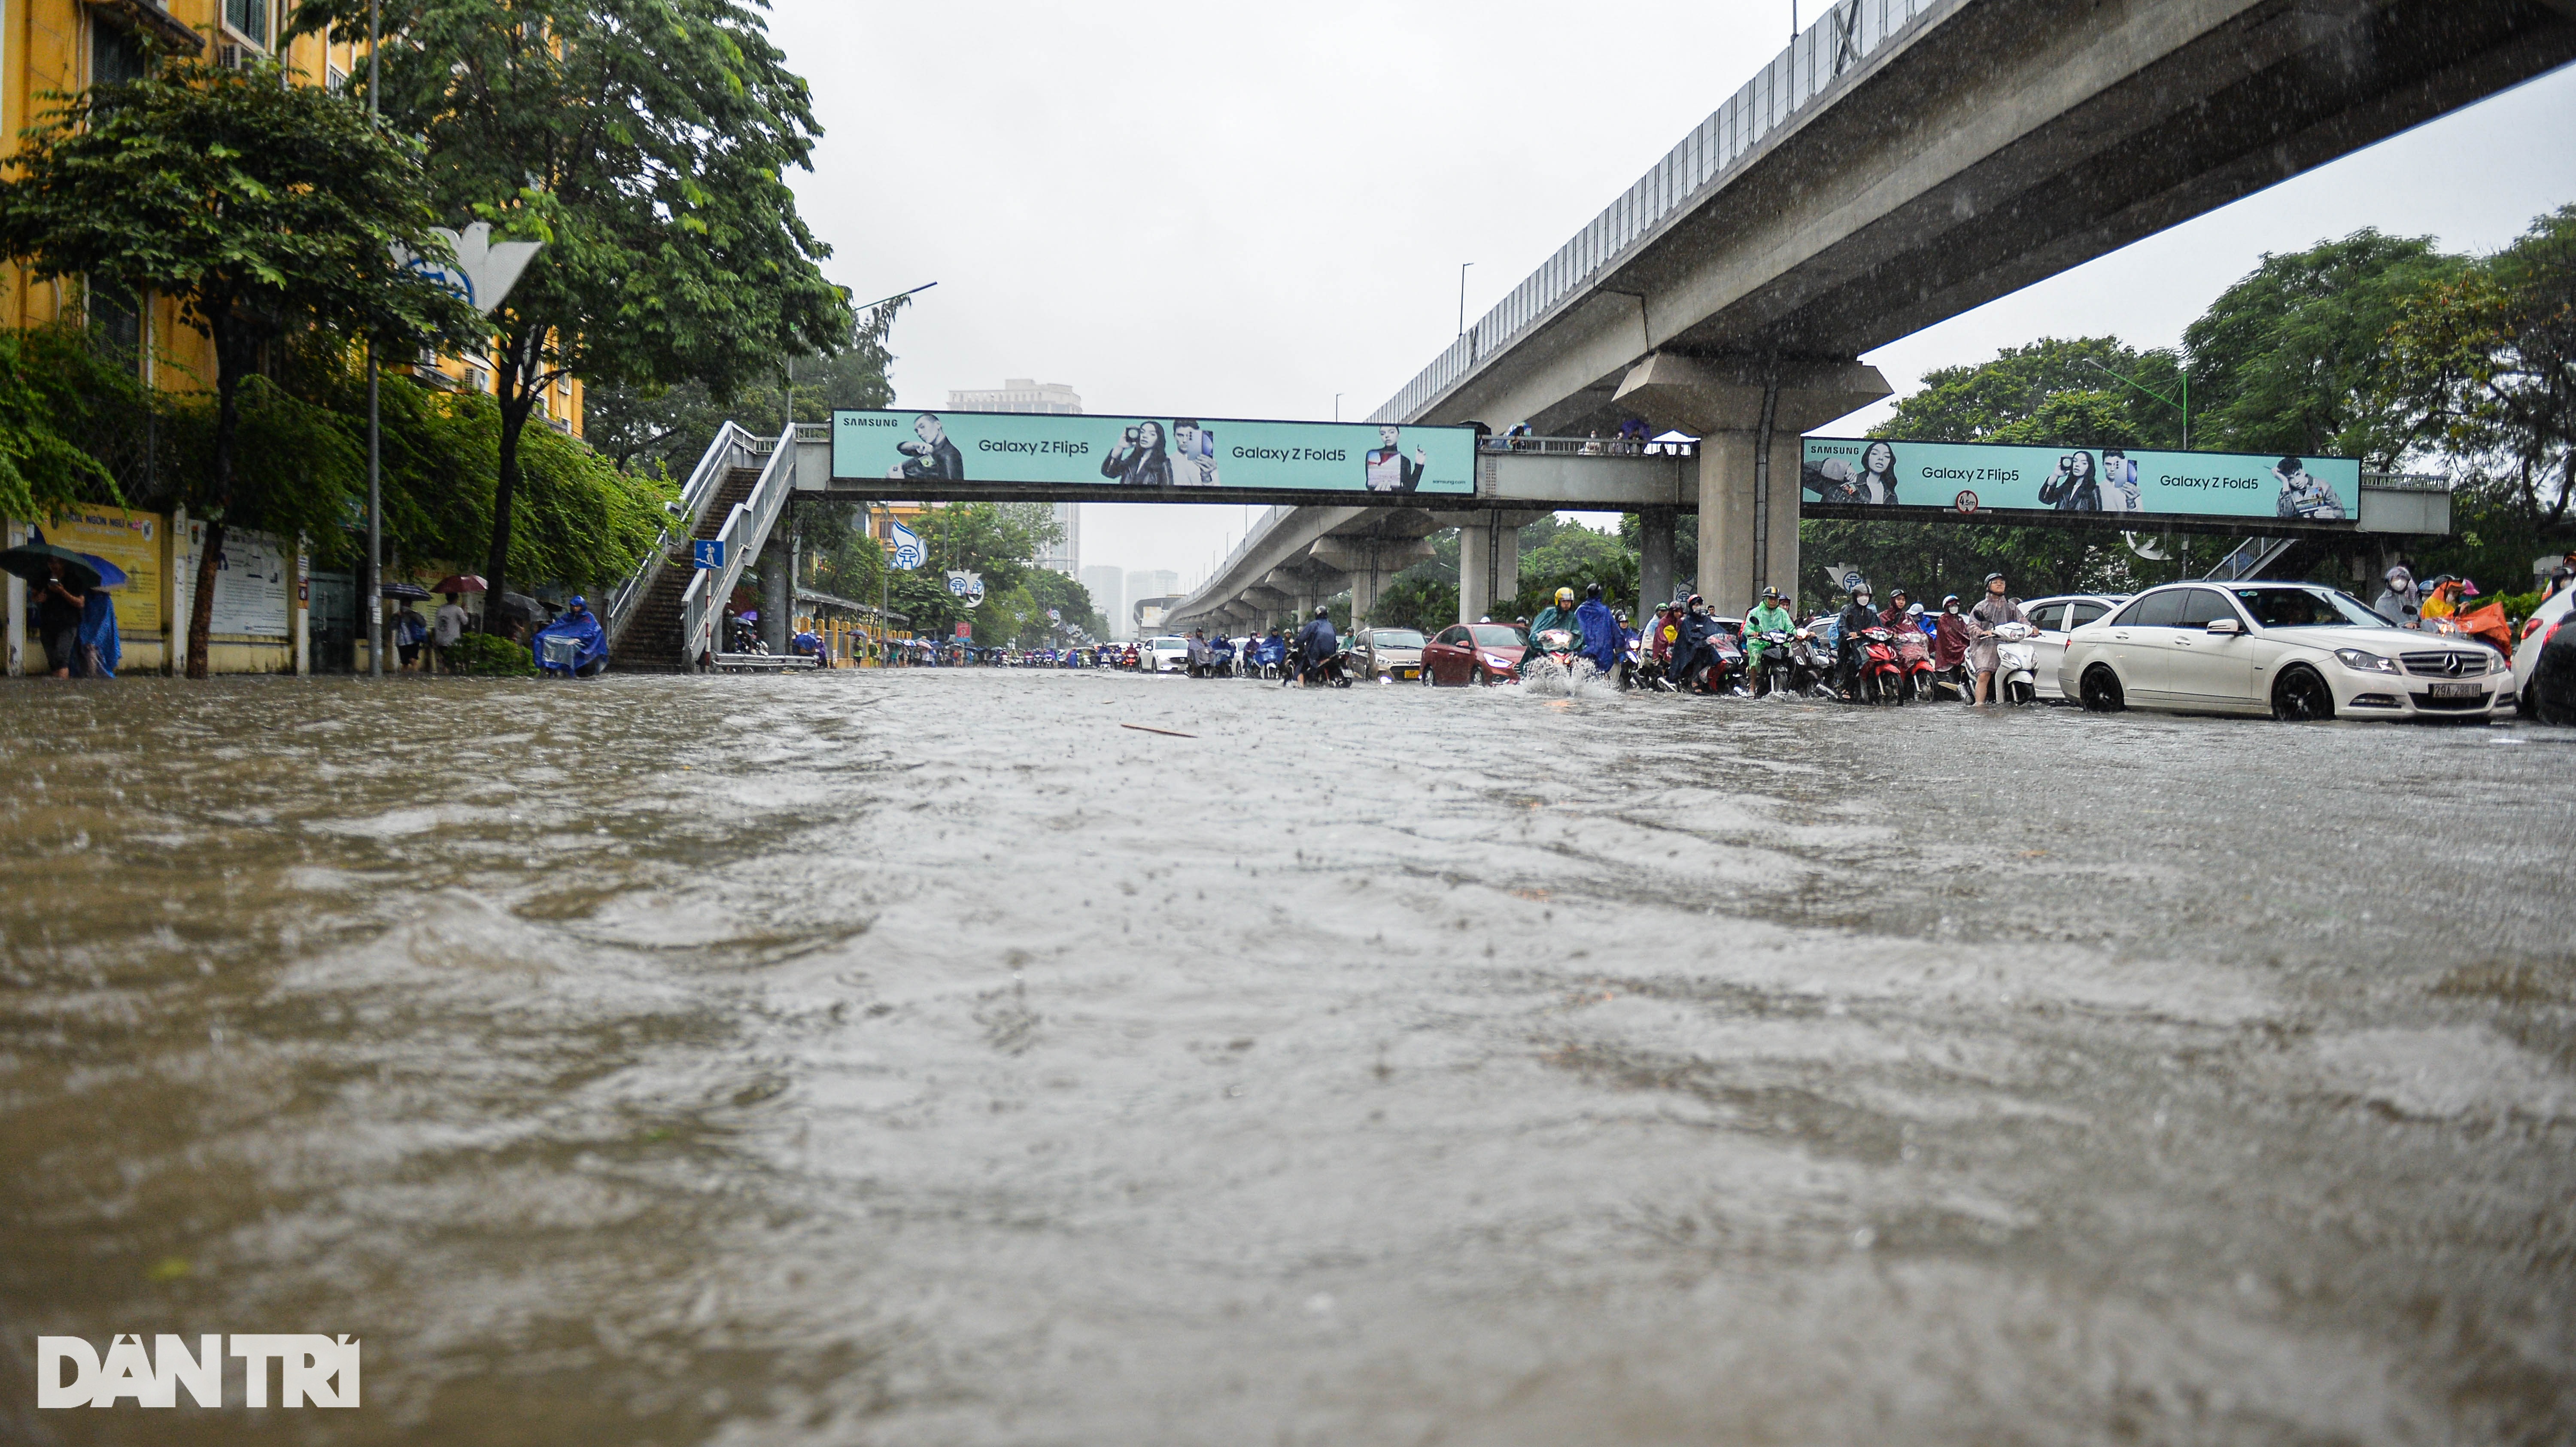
<point>1861,657</point>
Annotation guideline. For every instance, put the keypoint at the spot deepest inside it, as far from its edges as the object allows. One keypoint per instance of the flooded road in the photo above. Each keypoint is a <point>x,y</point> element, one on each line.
<point>926,1058</point>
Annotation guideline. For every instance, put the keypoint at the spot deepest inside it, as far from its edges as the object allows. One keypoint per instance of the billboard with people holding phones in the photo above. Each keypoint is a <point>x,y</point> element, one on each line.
<point>1061,449</point>
<point>1976,477</point>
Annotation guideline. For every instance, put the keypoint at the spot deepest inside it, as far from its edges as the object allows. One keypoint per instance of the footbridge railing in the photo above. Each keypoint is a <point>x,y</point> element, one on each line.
<point>733,447</point>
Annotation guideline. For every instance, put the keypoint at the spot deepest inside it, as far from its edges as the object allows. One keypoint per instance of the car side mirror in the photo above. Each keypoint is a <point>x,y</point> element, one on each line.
<point>2225,626</point>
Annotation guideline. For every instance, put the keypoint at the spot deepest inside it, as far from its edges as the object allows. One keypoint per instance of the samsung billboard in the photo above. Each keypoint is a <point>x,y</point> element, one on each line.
<point>1978,477</point>
<point>1151,454</point>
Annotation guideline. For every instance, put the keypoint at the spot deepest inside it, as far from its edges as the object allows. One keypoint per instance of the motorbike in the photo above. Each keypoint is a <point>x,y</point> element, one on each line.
<point>1768,667</point>
<point>1881,678</point>
<point>1914,656</point>
<point>1556,645</point>
<point>746,639</point>
<point>1811,663</point>
<point>1333,672</point>
<point>2016,663</point>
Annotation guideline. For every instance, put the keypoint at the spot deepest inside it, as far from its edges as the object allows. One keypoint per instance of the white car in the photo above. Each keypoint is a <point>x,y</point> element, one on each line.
<point>1164,655</point>
<point>2290,650</point>
<point>2055,618</point>
<point>2544,621</point>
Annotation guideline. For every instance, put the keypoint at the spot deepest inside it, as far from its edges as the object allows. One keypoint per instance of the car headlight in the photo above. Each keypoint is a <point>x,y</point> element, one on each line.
<point>2360,662</point>
<point>1497,661</point>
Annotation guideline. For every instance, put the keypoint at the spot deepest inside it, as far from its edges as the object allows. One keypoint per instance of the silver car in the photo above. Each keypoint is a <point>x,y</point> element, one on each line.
<point>1388,653</point>
<point>2291,650</point>
<point>2055,617</point>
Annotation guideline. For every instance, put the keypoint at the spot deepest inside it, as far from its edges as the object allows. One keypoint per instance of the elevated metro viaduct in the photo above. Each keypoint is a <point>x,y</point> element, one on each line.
<point>1903,162</point>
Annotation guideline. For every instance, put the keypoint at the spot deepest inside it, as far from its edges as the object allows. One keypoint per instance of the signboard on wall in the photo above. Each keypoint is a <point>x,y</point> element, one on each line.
<point>132,541</point>
<point>1070,449</point>
<point>1975,477</point>
<point>253,582</point>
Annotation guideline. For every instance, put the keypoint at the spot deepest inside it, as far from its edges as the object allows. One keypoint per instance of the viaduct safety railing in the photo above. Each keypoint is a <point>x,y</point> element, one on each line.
<point>1850,32</point>
<point>745,528</point>
<point>733,447</point>
<point>1587,447</point>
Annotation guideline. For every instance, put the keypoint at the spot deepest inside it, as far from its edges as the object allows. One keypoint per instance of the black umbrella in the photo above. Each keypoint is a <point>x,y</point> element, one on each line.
<point>520,605</point>
<point>413,591</point>
<point>35,563</point>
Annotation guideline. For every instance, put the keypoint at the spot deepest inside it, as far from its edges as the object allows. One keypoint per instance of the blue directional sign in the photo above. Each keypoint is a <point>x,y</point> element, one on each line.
<point>708,552</point>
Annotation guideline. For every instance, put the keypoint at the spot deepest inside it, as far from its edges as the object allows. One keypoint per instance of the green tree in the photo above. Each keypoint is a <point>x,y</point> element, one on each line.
<point>1047,589</point>
<point>1558,553</point>
<point>2296,357</point>
<point>59,399</point>
<point>640,425</point>
<point>996,540</point>
<point>2485,362</point>
<point>647,143</point>
<point>263,208</point>
<point>1417,600</point>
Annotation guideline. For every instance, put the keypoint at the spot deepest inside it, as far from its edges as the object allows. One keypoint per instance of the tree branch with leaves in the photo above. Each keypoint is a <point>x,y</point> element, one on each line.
<point>264,209</point>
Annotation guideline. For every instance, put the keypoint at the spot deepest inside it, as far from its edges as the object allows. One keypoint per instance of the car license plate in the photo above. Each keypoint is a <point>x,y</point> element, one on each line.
<point>1408,673</point>
<point>2456,690</point>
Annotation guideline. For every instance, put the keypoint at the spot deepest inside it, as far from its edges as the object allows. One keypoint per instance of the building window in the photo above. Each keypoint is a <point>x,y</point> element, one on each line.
<point>115,55</point>
<point>116,324</point>
<point>248,18</point>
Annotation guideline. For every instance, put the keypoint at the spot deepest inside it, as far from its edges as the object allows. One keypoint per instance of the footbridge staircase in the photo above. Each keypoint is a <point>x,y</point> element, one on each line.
<point>666,615</point>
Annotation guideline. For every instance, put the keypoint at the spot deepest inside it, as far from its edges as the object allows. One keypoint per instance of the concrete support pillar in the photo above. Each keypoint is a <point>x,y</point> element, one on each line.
<point>1734,562</point>
<point>777,596</point>
<point>1489,565</point>
<point>1654,558</point>
<point>1730,403</point>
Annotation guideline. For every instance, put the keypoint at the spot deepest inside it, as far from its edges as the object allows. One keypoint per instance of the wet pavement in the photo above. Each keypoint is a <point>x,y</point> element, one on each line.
<point>925,1058</point>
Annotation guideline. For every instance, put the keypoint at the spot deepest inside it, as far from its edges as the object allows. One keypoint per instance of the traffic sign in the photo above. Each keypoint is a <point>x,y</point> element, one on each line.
<point>708,552</point>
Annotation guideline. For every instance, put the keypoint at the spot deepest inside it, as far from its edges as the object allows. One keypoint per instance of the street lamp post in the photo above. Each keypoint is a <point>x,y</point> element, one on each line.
<point>375,420</point>
<point>1462,296</point>
<point>2183,406</point>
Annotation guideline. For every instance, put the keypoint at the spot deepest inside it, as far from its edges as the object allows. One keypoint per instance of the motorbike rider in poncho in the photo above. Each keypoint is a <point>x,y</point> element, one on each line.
<point>1598,632</point>
<point>1559,613</point>
<point>1857,615</point>
<point>590,653</point>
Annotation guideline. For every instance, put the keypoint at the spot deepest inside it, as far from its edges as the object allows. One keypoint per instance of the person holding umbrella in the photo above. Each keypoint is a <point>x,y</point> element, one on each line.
<point>62,598</point>
<point>451,621</point>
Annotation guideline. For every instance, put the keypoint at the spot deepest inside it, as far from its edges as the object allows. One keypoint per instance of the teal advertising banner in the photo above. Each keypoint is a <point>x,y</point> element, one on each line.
<point>1974,477</point>
<point>1042,448</point>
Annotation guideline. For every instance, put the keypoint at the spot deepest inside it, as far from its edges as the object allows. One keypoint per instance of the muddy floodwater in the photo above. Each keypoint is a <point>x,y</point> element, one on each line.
<point>926,1058</point>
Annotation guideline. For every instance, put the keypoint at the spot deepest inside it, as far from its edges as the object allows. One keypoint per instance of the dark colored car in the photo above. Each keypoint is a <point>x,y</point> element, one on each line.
<point>1474,653</point>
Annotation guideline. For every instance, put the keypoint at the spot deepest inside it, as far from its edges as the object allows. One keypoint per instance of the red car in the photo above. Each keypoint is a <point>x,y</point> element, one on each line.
<point>1474,653</point>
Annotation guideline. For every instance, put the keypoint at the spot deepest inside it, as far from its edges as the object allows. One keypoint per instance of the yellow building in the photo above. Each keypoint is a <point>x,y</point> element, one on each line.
<point>264,596</point>
<point>65,46</point>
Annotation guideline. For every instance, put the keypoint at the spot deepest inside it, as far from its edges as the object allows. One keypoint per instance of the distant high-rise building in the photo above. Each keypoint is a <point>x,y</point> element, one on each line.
<point>1065,555</point>
<point>1020,394</point>
<point>1152,583</point>
<point>1107,595</point>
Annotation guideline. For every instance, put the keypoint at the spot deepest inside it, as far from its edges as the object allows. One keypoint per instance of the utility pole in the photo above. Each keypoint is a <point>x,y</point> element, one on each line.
<point>1462,301</point>
<point>375,419</point>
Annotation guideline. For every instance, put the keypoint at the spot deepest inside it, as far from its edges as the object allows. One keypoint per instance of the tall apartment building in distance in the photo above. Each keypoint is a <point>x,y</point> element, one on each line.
<point>1020,394</point>
<point>1103,584</point>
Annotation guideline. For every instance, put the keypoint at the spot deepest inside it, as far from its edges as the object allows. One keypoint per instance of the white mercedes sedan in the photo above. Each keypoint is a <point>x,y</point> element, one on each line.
<point>2290,650</point>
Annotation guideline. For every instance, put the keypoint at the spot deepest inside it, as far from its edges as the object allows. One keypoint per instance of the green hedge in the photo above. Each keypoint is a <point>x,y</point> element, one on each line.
<point>481,655</point>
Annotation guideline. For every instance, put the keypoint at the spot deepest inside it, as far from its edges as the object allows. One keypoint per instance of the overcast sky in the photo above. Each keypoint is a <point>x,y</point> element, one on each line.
<point>1242,211</point>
